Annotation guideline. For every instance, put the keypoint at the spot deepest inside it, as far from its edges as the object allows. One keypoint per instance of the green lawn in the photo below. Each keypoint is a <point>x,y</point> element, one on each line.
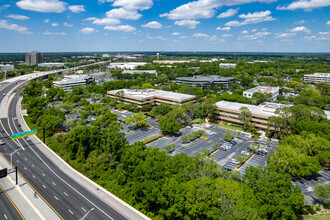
<point>198,121</point>
<point>317,217</point>
<point>232,127</point>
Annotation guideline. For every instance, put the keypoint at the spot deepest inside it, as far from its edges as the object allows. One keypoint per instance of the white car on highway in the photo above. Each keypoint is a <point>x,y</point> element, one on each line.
<point>2,142</point>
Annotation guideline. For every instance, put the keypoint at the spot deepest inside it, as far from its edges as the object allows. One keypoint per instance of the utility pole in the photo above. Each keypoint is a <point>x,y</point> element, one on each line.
<point>16,176</point>
<point>44,134</point>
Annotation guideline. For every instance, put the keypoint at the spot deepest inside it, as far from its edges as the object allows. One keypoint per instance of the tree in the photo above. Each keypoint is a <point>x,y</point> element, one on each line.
<point>160,110</point>
<point>322,192</point>
<point>246,119</point>
<point>147,86</point>
<point>138,120</point>
<point>262,97</point>
<point>277,197</point>
<point>215,145</point>
<point>169,124</point>
<point>228,135</point>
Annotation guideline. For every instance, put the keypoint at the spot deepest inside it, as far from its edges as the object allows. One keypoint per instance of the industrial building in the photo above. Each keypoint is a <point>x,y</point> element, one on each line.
<point>150,96</point>
<point>126,66</point>
<point>33,58</point>
<point>204,81</point>
<point>317,77</point>
<point>51,64</point>
<point>275,91</point>
<point>227,65</point>
<point>71,81</point>
<point>230,111</point>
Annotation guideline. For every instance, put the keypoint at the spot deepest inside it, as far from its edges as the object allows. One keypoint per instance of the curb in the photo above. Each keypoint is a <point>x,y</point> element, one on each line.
<point>83,176</point>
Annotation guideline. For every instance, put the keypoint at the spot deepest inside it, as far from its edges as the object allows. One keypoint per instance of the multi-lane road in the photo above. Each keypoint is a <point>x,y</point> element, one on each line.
<point>68,198</point>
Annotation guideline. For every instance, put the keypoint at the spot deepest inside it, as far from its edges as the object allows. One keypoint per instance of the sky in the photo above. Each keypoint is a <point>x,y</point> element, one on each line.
<point>165,25</point>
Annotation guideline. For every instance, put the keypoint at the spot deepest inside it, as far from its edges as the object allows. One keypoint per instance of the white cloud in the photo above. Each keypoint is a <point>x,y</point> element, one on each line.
<point>4,7</point>
<point>285,35</point>
<point>245,32</point>
<point>14,27</point>
<point>223,29</point>
<point>200,35</point>
<point>124,28</point>
<point>18,17</point>
<point>255,36</point>
<point>175,33</point>
<point>123,13</point>
<point>183,37</point>
<point>55,24</point>
<point>300,22</point>
<point>157,38</point>
<point>308,38</point>
<point>251,18</point>
<point>254,30</point>
<point>229,13</point>
<point>67,24</point>
<point>42,5</point>
<point>328,23</point>
<point>227,35</point>
<point>90,19</point>
<point>87,30</point>
<point>324,33</point>
<point>54,33</point>
<point>77,8</point>
<point>46,20</point>
<point>134,4</point>
<point>106,21</point>
<point>187,23</point>
<point>204,8</point>
<point>300,29</point>
<point>207,37</point>
<point>307,5</point>
<point>152,24</point>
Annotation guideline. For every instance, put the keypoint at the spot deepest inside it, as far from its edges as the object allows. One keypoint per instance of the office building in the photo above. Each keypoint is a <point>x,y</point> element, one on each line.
<point>205,81</point>
<point>150,96</point>
<point>230,111</point>
<point>317,77</point>
<point>51,64</point>
<point>170,61</point>
<point>6,67</point>
<point>140,71</point>
<point>126,66</point>
<point>275,91</point>
<point>71,81</point>
<point>227,65</point>
<point>33,58</point>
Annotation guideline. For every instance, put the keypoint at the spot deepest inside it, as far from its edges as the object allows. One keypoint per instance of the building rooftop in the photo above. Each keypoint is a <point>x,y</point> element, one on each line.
<point>203,78</point>
<point>72,79</point>
<point>140,71</point>
<point>262,89</point>
<point>319,74</point>
<point>148,93</point>
<point>265,109</point>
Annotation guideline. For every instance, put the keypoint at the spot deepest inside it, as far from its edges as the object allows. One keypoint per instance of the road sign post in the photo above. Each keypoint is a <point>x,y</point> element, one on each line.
<point>16,176</point>
<point>23,134</point>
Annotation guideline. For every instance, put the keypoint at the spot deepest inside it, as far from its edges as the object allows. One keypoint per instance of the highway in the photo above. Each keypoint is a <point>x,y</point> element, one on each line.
<point>67,198</point>
<point>7,209</point>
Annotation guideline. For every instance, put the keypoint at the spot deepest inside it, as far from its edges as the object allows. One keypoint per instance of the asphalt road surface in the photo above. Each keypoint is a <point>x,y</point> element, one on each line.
<point>65,196</point>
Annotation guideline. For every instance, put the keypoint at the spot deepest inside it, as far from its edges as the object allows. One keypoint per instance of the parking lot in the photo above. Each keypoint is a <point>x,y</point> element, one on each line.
<point>307,184</point>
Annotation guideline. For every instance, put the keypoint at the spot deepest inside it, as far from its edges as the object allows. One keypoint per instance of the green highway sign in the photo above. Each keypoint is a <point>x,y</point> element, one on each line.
<point>23,134</point>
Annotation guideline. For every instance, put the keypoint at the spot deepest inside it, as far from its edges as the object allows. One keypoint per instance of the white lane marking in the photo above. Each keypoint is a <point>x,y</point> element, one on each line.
<point>70,211</point>
<point>17,161</point>
<point>55,197</point>
<point>43,174</point>
<point>33,165</point>
<point>5,216</point>
<point>65,194</point>
<point>53,183</point>
<point>24,168</point>
<point>33,176</point>
<point>44,186</point>
<point>25,159</point>
<point>18,153</point>
<point>83,209</point>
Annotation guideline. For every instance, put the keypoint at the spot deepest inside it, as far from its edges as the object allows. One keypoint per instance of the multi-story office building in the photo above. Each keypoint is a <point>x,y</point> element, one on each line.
<point>140,71</point>
<point>126,66</point>
<point>317,77</point>
<point>150,96</point>
<point>33,58</point>
<point>6,67</point>
<point>204,81</point>
<point>71,81</point>
<point>227,65</point>
<point>275,91</point>
<point>230,111</point>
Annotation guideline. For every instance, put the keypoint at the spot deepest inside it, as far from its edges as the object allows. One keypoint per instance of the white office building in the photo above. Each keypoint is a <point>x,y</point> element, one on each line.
<point>71,81</point>
<point>140,71</point>
<point>317,77</point>
<point>126,66</point>
<point>227,65</point>
<point>51,64</point>
<point>6,67</point>
<point>275,91</point>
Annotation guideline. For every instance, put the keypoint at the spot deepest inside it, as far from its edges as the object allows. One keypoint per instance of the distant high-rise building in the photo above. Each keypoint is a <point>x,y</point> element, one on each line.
<point>157,56</point>
<point>33,58</point>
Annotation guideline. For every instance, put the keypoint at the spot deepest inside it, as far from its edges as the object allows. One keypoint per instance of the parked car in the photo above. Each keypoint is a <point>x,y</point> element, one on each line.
<point>261,152</point>
<point>210,132</point>
<point>233,142</point>
<point>15,119</point>
<point>234,161</point>
<point>245,153</point>
<point>2,142</point>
